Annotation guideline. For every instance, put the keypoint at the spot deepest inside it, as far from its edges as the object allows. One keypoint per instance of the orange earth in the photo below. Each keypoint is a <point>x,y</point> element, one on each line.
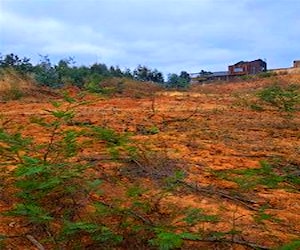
<point>206,131</point>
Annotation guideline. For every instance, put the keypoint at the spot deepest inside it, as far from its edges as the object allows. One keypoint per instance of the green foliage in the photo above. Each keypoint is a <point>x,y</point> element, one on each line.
<point>185,75</point>
<point>179,82</point>
<point>77,227</point>
<point>294,245</point>
<point>104,235</point>
<point>264,175</point>
<point>142,73</point>
<point>49,181</point>
<point>12,144</point>
<point>135,191</point>
<point>173,181</point>
<point>111,137</point>
<point>115,142</point>
<point>167,240</point>
<point>66,73</point>
<point>93,83</point>
<point>247,77</point>
<point>35,213</point>
<point>262,216</point>
<point>13,94</point>
<point>269,175</point>
<point>45,176</point>
<point>62,197</point>
<point>266,74</point>
<point>98,233</point>
<point>256,107</point>
<point>195,215</point>
<point>283,98</point>
<point>153,130</point>
<point>22,66</point>
<point>45,73</point>
<point>145,130</point>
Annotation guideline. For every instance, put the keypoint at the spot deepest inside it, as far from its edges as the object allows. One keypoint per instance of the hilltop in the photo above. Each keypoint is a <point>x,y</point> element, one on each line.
<point>138,166</point>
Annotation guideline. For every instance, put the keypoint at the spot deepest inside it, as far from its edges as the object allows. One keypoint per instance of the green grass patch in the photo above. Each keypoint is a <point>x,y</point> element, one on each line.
<point>268,175</point>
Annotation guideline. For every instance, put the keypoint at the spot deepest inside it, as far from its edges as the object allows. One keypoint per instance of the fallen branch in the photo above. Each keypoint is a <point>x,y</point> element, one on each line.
<point>242,200</point>
<point>132,213</point>
<point>239,242</point>
<point>35,242</point>
<point>245,202</point>
<point>164,122</point>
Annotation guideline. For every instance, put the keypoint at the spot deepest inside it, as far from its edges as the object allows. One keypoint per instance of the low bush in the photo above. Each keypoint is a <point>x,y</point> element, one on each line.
<point>58,190</point>
<point>283,98</point>
<point>266,74</point>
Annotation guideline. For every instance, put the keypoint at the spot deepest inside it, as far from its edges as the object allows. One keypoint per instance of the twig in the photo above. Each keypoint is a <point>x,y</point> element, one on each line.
<point>134,214</point>
<point>242,201</point>
<point>153,109</point>
<point>137,163</point>
<point>138,216</point>
<point>35,242</point>
<point>181,119</point>
<point>245,202</point>
<point>239,242</point>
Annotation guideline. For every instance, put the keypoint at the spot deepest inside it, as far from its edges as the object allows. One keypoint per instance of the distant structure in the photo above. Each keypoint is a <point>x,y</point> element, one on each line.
<point>207,76</point>
<point>296,64</point>
<point>247,68</point>
<point>239,69</point>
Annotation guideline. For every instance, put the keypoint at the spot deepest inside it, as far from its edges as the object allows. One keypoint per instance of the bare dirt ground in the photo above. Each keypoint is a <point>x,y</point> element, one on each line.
<point>210,131</point>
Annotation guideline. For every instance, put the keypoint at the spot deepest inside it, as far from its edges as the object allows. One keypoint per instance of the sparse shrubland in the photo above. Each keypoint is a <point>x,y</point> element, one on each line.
<point>123,164</point>
<point>59,193</point>
<point>66,73</point>
<point>284,98</point>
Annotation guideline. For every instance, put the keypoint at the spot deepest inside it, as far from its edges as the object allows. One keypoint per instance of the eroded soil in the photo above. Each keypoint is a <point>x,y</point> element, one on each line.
<point>207,132</point>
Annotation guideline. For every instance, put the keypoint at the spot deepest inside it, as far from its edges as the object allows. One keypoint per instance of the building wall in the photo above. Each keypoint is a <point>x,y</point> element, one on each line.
<point>238,69</point>
<point>245,68</point>
<point>297,64</point>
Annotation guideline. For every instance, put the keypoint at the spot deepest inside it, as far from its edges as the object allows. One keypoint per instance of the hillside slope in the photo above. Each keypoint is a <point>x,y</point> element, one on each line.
<point>213,167</point>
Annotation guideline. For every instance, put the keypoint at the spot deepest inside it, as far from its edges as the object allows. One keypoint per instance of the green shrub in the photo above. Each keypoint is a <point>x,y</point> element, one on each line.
<point>13,94</point>
<point>247,77</point>
<point>283,98</point>
<point>48,181</point>
<point>268,175</point>
<point>266,74</point>
<point>294,245</point>
<point>256,107</point>
<point>59,191</point>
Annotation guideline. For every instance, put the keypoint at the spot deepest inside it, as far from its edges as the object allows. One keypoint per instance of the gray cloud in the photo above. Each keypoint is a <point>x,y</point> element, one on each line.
<point>170,35</point>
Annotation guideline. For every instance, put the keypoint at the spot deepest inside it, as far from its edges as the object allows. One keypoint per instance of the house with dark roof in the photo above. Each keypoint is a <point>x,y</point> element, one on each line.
<point>239,69</point>
<point>247,68</point>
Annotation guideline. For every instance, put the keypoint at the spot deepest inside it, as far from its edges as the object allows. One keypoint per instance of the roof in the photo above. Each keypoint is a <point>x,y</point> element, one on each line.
<point>209,74</point>
<point>200,74</point>
<point>242,62</point>
<point>220,73</point>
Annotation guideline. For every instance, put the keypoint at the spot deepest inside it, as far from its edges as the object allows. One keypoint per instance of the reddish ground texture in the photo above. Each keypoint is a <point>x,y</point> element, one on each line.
<point>208,131</point>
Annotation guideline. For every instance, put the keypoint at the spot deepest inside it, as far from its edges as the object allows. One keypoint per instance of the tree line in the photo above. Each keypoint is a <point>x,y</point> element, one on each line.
<point>66,72</point>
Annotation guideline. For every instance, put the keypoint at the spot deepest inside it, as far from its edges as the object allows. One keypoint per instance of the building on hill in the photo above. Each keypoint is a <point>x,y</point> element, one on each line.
<point>239,69</point>
<point>209,76</point>
<point>296,64</point>
<point>247,68</point>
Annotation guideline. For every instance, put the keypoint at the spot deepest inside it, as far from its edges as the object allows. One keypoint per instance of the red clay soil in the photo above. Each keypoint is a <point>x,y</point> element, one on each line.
<point>208,130</point>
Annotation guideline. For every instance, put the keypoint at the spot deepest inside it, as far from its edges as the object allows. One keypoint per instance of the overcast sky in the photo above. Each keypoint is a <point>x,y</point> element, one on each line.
<point>169,35</point>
